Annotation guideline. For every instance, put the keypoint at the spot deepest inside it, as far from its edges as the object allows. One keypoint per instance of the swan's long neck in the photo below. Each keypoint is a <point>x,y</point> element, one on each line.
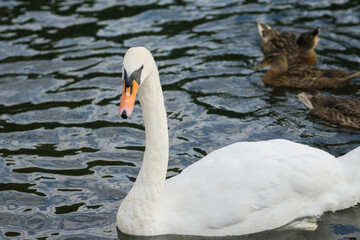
<point>138,209</point>
<point>153,171</point>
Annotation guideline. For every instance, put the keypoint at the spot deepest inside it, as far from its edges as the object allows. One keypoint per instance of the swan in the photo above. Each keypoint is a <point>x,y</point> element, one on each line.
<point>242,188</point>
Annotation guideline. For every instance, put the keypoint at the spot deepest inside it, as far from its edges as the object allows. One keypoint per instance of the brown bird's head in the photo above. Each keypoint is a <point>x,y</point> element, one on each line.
<point>307,41</point>
<point>276,59</point>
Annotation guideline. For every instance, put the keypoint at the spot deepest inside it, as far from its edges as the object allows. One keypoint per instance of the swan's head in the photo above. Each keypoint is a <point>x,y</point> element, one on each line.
<point>137,65</point>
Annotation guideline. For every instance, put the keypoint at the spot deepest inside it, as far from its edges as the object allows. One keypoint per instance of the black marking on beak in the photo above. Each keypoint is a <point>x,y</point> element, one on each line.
<point>124,115</point>
<point>135,76</point>
<point>131,88</point>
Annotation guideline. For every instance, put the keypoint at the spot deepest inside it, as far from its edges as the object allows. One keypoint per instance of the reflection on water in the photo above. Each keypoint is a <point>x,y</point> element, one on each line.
<point>68,159</point>
<point>340,225</point>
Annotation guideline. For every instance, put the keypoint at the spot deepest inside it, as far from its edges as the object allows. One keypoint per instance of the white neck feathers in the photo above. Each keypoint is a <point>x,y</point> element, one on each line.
<point>138,210</point>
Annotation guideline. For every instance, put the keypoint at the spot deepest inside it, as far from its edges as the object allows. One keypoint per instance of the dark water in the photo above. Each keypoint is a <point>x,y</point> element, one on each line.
<point>67,159</point>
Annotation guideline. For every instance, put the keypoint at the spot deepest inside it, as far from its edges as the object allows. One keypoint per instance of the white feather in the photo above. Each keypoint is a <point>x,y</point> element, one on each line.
<point>242,188</point>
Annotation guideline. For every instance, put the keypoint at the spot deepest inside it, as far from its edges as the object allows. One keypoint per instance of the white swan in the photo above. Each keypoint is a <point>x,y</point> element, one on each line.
<point>243,188</point>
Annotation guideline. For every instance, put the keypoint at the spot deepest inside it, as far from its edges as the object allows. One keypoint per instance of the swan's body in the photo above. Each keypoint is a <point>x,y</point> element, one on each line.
<point>243,188</point>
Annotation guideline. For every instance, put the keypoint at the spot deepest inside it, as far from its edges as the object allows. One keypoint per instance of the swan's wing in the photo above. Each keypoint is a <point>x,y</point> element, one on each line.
<point>250,186</point>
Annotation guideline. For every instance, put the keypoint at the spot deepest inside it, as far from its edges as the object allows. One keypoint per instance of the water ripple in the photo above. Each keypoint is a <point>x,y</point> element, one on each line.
<point>68,159</point>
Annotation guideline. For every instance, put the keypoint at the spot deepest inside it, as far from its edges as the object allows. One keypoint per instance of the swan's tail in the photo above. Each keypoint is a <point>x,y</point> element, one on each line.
<point>347,194</point>
<point>351,161</point>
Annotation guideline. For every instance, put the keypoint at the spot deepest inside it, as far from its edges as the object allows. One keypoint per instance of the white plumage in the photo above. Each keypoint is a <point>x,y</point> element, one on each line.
<point>242,188</point>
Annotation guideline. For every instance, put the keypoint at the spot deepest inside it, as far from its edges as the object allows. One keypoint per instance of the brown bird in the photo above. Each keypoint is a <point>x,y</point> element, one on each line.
<point>297,49</point>
<point>306,76</point>
<point>342,111</point>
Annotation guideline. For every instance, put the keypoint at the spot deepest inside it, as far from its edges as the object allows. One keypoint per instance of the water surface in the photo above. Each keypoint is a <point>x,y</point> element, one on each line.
<point>67,159</point>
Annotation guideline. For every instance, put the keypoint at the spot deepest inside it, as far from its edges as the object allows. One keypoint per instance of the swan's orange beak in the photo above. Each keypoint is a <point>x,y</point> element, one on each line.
<point>128,99</point>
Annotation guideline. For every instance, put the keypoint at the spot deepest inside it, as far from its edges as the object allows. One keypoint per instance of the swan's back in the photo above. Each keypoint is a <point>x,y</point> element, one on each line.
<point>249,187</point>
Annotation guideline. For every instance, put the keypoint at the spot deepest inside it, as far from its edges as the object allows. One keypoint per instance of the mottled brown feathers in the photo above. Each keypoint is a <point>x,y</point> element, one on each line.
<point>306,76</point>
<point>298,50</point>
<point>273,39</point>
<point>342,111</point>
<point>291,60</point>
<point>309,77</point>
